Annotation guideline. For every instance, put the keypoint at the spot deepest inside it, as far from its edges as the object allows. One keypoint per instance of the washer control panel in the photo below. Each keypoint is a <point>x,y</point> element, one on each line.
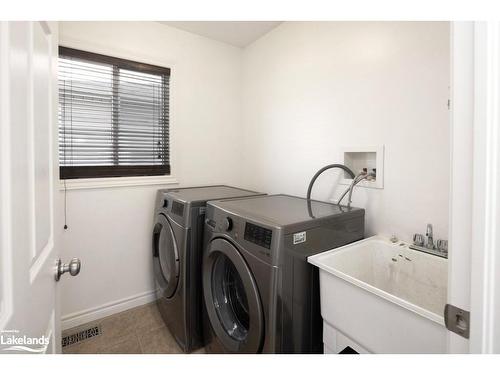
<point>258,235</point>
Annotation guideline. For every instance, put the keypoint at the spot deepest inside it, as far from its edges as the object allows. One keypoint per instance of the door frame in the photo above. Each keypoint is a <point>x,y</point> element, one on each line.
<point>474,265</point>
<point>485,262</point>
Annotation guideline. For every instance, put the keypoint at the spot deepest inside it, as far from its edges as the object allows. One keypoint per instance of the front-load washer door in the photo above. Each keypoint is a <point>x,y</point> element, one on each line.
<point>165,256</point>
<point>232,299</point>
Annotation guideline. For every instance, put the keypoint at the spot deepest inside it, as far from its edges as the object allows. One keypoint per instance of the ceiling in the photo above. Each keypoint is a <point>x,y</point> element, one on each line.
<point>236,33</point>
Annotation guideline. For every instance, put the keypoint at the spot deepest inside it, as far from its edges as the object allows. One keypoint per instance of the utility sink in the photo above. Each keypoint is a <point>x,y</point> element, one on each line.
<point>382,297</point>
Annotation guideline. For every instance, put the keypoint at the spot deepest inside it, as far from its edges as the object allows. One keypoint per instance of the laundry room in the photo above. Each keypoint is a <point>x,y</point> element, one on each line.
<point>248,187</point>
<point>321,103</point>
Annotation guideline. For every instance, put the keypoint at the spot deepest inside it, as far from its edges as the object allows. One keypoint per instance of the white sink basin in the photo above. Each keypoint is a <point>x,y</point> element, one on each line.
<point>385,297</point>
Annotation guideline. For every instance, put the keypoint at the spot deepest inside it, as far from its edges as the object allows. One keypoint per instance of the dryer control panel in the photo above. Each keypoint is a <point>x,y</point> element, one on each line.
<point>258,235</point>
<point>178,208</point>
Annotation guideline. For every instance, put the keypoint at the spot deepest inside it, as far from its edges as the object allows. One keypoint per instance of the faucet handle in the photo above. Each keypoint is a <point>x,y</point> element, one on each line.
<point>418,239</point>
<point>442,245</point>
<point>430,237</point>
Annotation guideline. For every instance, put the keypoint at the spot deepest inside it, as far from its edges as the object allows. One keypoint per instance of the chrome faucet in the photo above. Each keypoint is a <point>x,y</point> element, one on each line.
<point>430,240</point>
<point>439,248</point>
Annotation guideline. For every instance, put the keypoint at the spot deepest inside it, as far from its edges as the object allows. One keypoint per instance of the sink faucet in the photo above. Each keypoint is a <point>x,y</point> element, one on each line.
<point>430,240</point>
<point>439,248</point>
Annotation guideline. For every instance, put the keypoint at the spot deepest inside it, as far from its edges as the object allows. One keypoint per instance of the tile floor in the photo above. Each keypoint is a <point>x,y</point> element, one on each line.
<point>136,331</point>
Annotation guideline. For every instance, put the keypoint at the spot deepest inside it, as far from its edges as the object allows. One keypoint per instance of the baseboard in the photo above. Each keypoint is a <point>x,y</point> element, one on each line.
<point>107,309</point>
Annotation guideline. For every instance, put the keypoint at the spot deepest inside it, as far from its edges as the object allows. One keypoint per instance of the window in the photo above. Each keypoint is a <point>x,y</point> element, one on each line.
<point>113,116</point>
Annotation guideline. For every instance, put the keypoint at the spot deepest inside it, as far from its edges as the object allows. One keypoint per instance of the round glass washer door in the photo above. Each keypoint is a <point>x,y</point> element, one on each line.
<point>165,256</point>
<point>232,299</point>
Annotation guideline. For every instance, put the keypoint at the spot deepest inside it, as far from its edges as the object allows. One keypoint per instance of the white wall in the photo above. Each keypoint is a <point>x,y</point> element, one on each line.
<point>267,117</point>
<point>110,228</point>
<point>311,88</point>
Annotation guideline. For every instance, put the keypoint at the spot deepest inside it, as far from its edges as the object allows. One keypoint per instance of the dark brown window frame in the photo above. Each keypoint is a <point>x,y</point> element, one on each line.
<point>99,171</point>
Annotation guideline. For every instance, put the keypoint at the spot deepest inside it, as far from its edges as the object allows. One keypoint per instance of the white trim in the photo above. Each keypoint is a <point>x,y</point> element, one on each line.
<point>112,182</point>
<point>107,309</point>
<point>30,161</point>
<point>485,276</point>
<point>6,261</point>
<point>56,205</point>
<point>461,157</point>
<point>53,131</point>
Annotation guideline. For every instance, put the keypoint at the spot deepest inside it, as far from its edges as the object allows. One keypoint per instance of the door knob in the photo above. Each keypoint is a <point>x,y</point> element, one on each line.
<point>72,267</point>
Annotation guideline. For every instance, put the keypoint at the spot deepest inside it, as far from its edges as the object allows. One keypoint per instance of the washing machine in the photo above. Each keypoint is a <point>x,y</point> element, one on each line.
<point>177,244</point>
<point>260,293</point>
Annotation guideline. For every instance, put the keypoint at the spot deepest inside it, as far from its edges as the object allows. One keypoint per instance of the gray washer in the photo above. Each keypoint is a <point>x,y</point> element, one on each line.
<point>177,240</point>
<point>260,293</point>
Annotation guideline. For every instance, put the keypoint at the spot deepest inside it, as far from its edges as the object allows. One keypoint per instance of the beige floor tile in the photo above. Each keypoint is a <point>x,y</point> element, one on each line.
<point>115,327</point>
<point>128,345</point>
<point>158,341</point>
<point>138,330</point>
<point>147,318</point>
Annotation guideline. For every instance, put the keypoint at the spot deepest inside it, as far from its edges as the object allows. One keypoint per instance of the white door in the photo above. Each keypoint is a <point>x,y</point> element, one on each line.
<point>29,320</point>
<point>474,263</point>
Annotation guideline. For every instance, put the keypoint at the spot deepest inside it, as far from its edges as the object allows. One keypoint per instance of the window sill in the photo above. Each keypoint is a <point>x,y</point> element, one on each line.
<point>112,182</point>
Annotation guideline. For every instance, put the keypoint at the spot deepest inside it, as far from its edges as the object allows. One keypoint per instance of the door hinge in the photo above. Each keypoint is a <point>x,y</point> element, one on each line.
<point>457,320</point>
<point>449,104</point>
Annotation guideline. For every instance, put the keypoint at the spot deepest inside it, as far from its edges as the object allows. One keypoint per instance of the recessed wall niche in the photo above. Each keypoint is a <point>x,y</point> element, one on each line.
<point>369,157</point>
